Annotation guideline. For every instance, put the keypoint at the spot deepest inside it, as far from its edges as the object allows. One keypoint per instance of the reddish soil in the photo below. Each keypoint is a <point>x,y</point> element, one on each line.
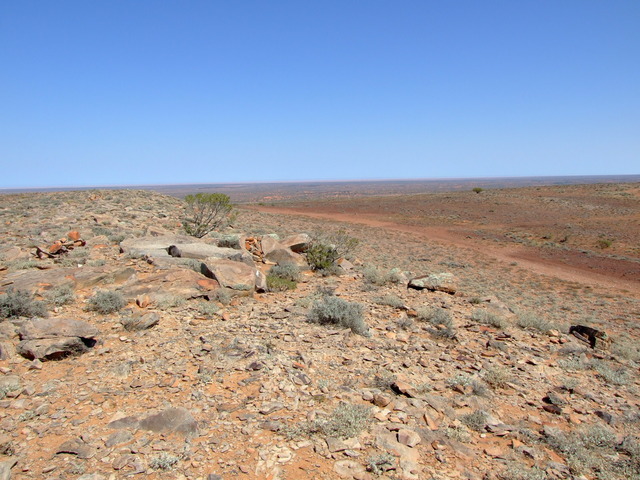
<point>587,234</point>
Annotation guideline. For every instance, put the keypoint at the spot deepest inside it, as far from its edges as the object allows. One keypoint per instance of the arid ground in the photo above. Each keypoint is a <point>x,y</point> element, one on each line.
<point>170,374</point>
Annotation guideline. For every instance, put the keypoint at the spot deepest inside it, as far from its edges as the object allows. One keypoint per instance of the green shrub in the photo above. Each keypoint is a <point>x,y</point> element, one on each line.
<point>336,311</point>
<point>206,212</point>
<point>327,248</point>
<point>497,377</point>
<point>164,461</point>
<point>478,189</point>
<point>278,284</point>
<point>20,303</point>
<point>107,302</point>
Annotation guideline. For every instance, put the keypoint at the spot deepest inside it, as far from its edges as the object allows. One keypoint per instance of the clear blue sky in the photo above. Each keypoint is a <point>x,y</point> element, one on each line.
<point>147,92</point>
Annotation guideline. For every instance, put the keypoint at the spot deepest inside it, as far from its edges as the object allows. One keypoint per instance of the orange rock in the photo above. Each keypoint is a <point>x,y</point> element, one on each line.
<point>55,248</point>
<point>74,235</point>
<point>143,301</point>
<point>208,284</point>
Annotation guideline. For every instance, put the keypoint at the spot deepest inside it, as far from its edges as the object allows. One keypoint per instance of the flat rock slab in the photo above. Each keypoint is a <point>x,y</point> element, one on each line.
<point>171,420</point>
<point>57,327</point>
<point>435,282</point>
<point>234,275</point>
<point>54,348</point>
<point>37,281</point>
<point>179,282</point>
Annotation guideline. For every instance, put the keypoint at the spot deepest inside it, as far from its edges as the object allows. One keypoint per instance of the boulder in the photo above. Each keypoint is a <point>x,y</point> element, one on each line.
<point>230,274</point>
<point>435,282</point>
<point>297,243</point>
<point>142,322</point>
<point>55,338</point>
<point>161,248</point>
<point>275,252</point>
<point>56,327</point>
<point>179,282</point>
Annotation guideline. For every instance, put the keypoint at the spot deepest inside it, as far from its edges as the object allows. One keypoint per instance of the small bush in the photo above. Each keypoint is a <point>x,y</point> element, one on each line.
<point>164,461</point>
<point>475,421</point>
<point>336,311</point>
<point>206,212</point>
<point>391,301</point>
<point>619,376</point>
<point>604,243</point>
<point>20,303</point>
<point>278,284</point>
<point>497,377</point>
<point>106,302</point>
<point>61,295</point>
<point>488,318</point>
<point>379,464</point>
<point>439,318</point>
<point>530,321</point>
<point>346,421</point>
<point>321,257</point>
<point>222,295</point>
<point>463,380</point>
<point>327,248</point>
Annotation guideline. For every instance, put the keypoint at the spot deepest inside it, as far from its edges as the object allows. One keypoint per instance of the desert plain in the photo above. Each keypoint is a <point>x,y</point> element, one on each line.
<point>119,360</point>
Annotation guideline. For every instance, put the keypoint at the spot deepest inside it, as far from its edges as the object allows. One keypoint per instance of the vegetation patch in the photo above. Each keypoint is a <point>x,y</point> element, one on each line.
<point>106,301</point>
<point>331,310</point>
<point>20,303</point>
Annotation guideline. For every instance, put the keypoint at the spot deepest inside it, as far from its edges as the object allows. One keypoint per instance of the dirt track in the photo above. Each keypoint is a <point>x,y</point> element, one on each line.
<point>570,266</point>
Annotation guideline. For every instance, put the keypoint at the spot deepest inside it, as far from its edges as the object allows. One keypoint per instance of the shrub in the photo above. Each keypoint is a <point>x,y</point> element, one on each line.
<point>20,303</point>
<point>478,189</point>
<point>530,321</point>
<point>497,377</point>
<point>488,318</point>
<point>380,463</point>
<point>278,284</point>
<point>164,461</point>
<point>287,271</point>
<point>61,295</point>
<point>336,311</point>
<point>439,318</point>
<point>376,276</point>
<point>205,212</point>
<point>391,301</point>
<point>475,421</point>
<point>327,248</point>
<point>107,302</point>
<point>346,421</point>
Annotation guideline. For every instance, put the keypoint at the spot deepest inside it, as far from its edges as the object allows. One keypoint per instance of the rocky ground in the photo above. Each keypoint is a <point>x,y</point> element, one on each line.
<point>189,379</point>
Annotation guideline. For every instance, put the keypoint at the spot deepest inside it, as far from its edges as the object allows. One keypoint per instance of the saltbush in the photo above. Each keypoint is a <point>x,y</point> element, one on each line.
<point>107,302</point>
<point>20,303</point>
<point>336,311</point>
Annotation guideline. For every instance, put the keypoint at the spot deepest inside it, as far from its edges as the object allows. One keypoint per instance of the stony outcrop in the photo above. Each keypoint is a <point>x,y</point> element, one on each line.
<point>435,282</point>
<point>55,338</point>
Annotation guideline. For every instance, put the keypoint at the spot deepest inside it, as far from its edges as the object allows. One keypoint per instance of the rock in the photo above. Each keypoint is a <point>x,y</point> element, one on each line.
<point>159,248</point>
<point>345,264</point>
<point>179,282</point>
<point>55,338</point>
<point>597,339</point>
<point>57,327</point>
<point>297,243</point>
<point>5,468</point>
<point>54,348</point>
<point>6,350</point>
<point>348,468</point>
<point>408,437</point>
<point>118,438</point>
<point>440,282</point>
<point>143,322</point>
<point>230,274</point>
<point>77,447</point>
<point>172,420</point>
<point>403,388</point>
<point>274,252</point>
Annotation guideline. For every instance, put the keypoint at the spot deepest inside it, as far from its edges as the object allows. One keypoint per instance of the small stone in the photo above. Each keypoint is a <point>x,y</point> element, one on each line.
<point>408,437</point>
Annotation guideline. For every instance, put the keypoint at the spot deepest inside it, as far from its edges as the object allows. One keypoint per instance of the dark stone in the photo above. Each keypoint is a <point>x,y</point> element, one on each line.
<point>171,420</point>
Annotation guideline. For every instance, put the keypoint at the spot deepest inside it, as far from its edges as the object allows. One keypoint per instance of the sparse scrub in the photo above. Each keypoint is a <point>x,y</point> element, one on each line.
<point>61,295</point>
<point>107,301</point>
<point>23,264</point>
<point>164,461</point>
<point>497,377</point>
<point>517,471</point>
<point>440,319</point>
<point>283,277</point>
<point>463,380</point>
<point>206,212</point>
<point>613,376</point>
<point>166,302</point>
<point>20,303</point>
<point>327,248</point>
<point>530,321</point>
<point>390,301</point>
<point>384,380</point>
<point>336,311</point>
<point>346,421</point>
<point>221,295</point>
<point>475,420</point>
<point>379,464</point>
<point>488,318</point>
<point>207,309</point>
<point>377,276</point>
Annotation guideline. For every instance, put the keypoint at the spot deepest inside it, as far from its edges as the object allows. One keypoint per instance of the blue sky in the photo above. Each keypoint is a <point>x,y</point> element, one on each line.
<point>147,92</point>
